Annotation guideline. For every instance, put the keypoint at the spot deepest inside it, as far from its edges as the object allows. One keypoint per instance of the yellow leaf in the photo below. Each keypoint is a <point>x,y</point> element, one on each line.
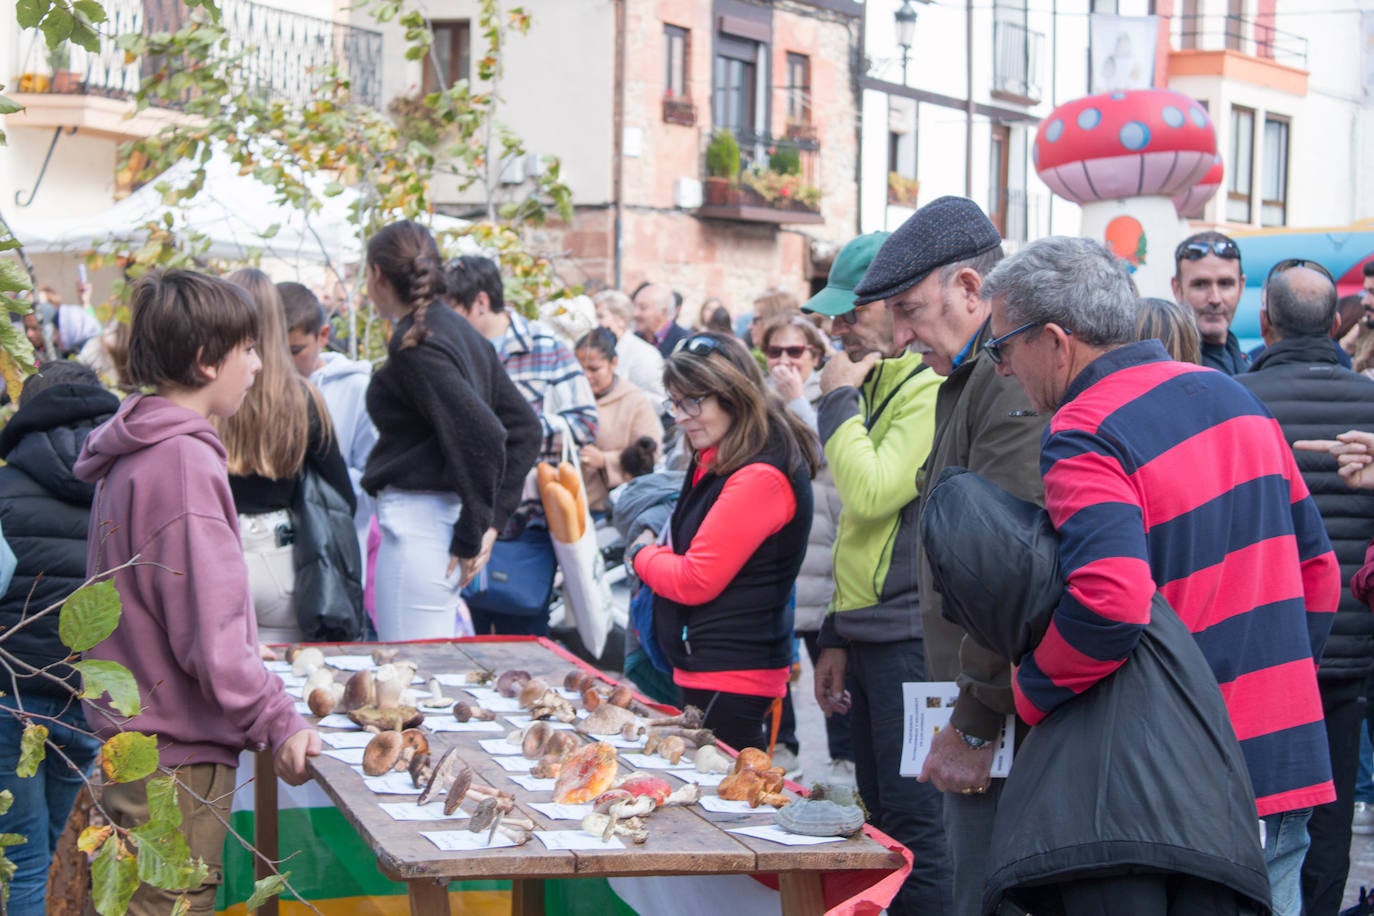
<point>92,837</point>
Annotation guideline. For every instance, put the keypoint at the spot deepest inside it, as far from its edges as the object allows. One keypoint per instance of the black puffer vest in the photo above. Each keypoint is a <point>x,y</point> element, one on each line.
<point>1312,397</point>
<point>748,625</point>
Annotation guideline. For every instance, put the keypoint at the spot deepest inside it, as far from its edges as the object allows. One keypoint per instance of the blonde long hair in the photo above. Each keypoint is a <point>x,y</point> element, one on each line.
<point>270,433</point>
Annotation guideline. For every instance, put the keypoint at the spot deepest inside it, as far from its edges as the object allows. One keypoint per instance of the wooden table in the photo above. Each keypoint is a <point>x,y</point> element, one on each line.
<point>682,840</point>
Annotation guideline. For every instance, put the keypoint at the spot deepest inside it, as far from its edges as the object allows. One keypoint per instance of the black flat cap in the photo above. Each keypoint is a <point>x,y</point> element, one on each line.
<point>945,230</point>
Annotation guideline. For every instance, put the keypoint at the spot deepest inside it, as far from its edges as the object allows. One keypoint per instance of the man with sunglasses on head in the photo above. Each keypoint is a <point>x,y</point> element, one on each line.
<point>1163,476</point>
<point>876,417</point>
<point>927,277</point>
<point>1299,381</point>
<point>1208,279</point>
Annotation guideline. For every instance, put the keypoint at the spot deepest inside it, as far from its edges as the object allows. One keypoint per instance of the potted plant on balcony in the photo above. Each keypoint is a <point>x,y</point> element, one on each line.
<point>902,190</point>
<point>64,79</point>
<point>722,167</point>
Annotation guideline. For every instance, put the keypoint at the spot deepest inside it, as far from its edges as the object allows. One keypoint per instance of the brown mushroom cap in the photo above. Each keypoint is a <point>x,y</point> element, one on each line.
<point>531,692</point>
<point>578,680</point>
<point>381,753</point>
<point>359,691</point>
<point>322,701</point>
<point>416,740</point>
<point>443,771</point>
<point>591,698</point>
<point>421,768</point>
<point>532,743</point>
<point>509,683</point>
<point>459,790</point>
<point>621,696</point>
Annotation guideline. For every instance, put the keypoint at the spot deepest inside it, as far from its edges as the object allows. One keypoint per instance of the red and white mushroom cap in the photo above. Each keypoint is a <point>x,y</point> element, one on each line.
<point>1125,144</point>
<point>1189,203</point>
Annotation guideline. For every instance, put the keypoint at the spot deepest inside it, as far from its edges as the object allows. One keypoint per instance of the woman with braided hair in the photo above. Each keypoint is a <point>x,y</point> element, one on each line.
<point>455,441</point>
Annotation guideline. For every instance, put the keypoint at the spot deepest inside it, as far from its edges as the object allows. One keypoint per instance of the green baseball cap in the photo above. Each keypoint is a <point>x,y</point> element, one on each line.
<point>845,273</point>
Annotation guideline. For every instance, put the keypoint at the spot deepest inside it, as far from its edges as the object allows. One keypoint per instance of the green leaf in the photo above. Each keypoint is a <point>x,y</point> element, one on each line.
<point>265,889</point>
<point>84,34</point>
<point>13,277</point>
<point>92,10</point>
<point>164,857</point>
<point>57,26</point>
<point>114,878</point>
<point>12,839</point>
<point>181,906</point>
<point>162,802</point>
<point>29,12</point>
<point>9,105</point>
<point>89,615</point>
<point>100,677</point>
<point>6,799</point>
<point>128,756</point>
<point>32,749</point>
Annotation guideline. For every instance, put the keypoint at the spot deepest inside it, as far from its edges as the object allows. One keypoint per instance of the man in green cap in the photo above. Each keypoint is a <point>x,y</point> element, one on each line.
<point>877,420</point>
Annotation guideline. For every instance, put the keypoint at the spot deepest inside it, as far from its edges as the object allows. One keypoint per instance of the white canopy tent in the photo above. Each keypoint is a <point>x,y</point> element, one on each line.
<point>233,210</point>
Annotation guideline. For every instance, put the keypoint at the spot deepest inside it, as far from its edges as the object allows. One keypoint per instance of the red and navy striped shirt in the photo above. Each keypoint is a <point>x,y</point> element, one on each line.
<point>1166,475</point>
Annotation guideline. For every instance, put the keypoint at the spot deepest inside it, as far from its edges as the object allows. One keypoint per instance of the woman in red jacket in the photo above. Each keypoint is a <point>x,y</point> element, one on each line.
<point>723,579</point>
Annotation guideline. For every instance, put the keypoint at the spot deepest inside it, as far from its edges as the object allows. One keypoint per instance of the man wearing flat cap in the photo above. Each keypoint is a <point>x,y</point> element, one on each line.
<point>876,419</point>
<point>929,274</point>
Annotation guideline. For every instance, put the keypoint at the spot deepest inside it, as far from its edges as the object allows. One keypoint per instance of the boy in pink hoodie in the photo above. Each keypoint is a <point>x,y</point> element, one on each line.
<point>188,632</point>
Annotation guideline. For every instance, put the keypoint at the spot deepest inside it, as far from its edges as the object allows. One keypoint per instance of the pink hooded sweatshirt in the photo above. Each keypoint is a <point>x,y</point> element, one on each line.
<point>188,633</point>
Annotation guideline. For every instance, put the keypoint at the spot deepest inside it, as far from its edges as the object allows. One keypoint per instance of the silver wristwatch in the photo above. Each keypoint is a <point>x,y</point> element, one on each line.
<point>976,743</point>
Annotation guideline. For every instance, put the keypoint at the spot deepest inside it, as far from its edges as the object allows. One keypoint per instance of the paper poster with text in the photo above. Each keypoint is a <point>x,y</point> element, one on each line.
<point>928,707</point>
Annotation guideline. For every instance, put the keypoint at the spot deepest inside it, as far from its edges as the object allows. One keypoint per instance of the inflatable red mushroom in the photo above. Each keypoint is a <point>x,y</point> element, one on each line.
<point>1189,203</point>
<point>1137,143</point>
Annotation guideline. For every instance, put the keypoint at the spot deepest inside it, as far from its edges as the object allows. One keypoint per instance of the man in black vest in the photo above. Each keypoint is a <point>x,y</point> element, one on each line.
<point>1299,381</point>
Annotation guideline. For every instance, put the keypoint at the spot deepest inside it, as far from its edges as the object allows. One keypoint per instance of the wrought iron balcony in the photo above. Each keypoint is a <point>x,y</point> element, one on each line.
<point>284,53</point>
<point>1224,32</point>
<point>1018,63</point>
<point>776,183</point>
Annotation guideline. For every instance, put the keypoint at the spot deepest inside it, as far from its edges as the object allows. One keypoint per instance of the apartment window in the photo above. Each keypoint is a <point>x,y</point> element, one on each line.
<point>675,83</point>
<point>449,58</point>
<point>1274,173</point>
<point>798,89</point>
<point>735,102</point>
<point>1240,165</point>
<point>1235,25</point>
<point>999,160</point>
<point>1190,19</point>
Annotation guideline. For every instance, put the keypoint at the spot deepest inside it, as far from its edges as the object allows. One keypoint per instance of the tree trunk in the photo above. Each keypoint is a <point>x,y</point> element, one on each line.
<point>69,879</point>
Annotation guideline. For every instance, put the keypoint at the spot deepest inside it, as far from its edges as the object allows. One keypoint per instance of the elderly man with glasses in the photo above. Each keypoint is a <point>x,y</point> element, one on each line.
<point>1299,381</point>
<point>1162,476</point>
<point>876,417</point>
<point>1208,279</point>
<point>926,277</point>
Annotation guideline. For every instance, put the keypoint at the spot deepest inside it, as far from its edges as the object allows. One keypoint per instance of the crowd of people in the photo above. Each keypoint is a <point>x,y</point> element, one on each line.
<point>1092,512</point>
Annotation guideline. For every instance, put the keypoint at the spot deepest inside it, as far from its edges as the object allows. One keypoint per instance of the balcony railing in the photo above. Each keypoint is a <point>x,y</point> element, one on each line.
<point>1018,63</point>
<point>776,183</point>
<point>1220,32</point>
<point>284,53</point>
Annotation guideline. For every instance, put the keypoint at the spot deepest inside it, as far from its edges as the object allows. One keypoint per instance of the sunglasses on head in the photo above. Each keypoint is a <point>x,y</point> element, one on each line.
<point>1193,251</point>
<point>1288,264</point>
<point>791,352</point>
<point>699,346</point>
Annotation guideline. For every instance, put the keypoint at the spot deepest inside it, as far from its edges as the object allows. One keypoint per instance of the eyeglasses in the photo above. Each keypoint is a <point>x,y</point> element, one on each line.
<point>1193,251</point>
<point>851,317</point>
<point>699,346</point>
<point>994,346</point>
<point>1288,264</point>
<point>791,352</point>
<point>688,407</point>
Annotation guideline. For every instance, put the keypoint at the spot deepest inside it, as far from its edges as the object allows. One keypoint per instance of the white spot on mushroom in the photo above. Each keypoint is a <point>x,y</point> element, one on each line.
<point>1054,131</point>
<point>1172,116</point>
<point>1089,118</point>
<point>1134,136</point>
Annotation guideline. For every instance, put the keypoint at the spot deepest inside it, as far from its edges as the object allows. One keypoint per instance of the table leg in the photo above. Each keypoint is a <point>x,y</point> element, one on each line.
<point>527,897</point>
<point>428,897</point>
<point>801,893</point>
<point>265,822</point>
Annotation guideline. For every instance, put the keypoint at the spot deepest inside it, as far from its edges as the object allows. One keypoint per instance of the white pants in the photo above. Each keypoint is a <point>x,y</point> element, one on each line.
<point>415,600</point>
<point>271,575</point>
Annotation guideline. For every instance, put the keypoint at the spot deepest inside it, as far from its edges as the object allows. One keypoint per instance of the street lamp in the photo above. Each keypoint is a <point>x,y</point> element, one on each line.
<point>906,31</point>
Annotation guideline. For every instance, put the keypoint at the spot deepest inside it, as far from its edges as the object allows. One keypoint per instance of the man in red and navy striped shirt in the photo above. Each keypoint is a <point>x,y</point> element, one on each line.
<point>1166,475</point>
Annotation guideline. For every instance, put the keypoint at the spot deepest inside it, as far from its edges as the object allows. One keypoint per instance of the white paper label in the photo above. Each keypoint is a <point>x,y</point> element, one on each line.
<point>465,840</point>
<point>718,805</point>
<point>391,784</point>
<point>472,725</point>
<point>557,812</point>
<point>533,783</point>
<point>434,811</point>
<point>775,834</point>
<point>928,707</point>
<point>514,764</point>
<point>346,739</point>
<point>655,762</point>
<point>350,662</point>
<point>576,839</point>
<point>339,720</point>
<point>353,756</point>
<point>500,747</point>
